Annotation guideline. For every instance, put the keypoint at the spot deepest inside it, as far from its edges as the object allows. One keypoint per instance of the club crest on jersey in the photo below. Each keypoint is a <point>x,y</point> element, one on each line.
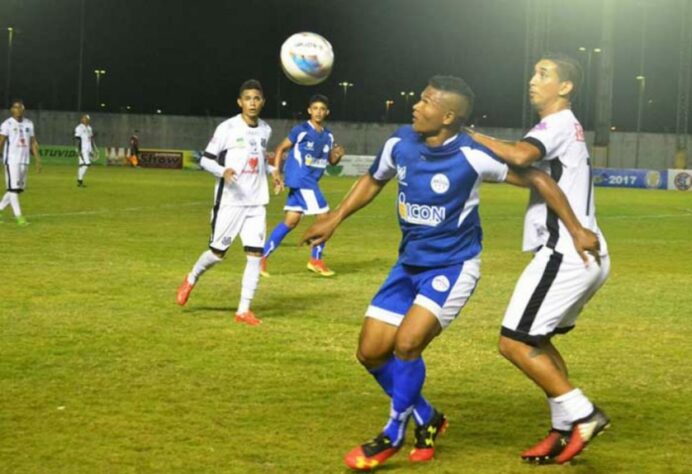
<point>439,183</point>
<point>440,283</point>
<point>325,149</point>
<point>421,214</point>
<point>401,175</point>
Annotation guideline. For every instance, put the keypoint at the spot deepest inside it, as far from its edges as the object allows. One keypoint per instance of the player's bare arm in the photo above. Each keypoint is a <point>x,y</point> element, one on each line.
<point>35,152</point>
<point>585,241</point>
<point>513,153</point>
<point>363,191</point>
<point>279,154</point>
<point>336,154</point>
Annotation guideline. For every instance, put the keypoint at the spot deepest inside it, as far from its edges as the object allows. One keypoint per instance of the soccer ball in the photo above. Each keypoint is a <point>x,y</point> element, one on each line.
<point>307,58</point>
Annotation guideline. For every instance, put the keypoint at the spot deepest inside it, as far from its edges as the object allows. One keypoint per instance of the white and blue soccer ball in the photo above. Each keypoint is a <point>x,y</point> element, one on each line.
<point>307,58</point>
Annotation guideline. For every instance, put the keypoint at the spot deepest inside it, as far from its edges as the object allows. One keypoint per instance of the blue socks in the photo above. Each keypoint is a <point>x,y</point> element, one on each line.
<point>317,251</point>
<point>403,381</point>
<point>278,234</point>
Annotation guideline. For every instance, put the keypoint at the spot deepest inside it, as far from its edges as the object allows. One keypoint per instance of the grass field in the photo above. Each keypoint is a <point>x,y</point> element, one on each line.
<point>101,372</point>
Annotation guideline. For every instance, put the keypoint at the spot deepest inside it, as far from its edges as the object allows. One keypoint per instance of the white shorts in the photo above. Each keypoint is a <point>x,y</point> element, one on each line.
<point>15,176</point>
<point>229,221</point>
<point>550,294</point>
<point>85,158</point>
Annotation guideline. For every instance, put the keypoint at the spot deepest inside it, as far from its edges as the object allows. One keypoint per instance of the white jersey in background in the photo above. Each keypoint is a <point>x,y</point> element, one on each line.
<point>85,135</point>
<point>238,146</point>
<point>17,149</point>
<point>560,138</point>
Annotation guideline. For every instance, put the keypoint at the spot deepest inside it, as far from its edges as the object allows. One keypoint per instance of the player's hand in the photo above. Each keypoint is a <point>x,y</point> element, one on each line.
<point>320,231</point>
<point>229,175</point>
<point>586,242</point>
<point>338,152</point>
<point>278,182</point>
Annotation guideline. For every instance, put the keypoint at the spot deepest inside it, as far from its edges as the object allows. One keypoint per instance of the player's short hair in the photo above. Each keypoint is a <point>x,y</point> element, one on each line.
<point>457,86</point>
<point>319,98</point>
<point>568,69</point>
<point>253,84</point>
<point>16,101</point>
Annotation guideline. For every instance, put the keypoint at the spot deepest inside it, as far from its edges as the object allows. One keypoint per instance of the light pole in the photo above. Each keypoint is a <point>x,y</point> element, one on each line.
<point>99,73</point>
<point>640,107</point>
<point>346,86</point>
<point>80,71</point>
<point>387,105</point>
<point>10,34</point>
<point>586,97</point>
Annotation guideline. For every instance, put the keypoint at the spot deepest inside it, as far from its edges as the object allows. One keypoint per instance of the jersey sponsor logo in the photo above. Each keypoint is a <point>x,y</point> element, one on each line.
<point>421,214</point>
<point>439,183</point>
<point>440,283</point>
<point>579,132</point>
<point>251,166</point>
<point>315,162</point>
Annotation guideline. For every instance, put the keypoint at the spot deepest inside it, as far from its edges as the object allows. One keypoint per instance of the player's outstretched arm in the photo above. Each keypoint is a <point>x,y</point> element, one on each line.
<point>36,153</point>
<point>514,153</point>
<point>585,241</point>
<point>361,193</point>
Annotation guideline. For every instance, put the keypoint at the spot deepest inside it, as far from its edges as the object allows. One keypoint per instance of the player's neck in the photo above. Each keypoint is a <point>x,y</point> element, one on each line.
<point>19,119</point>
<point>251,121</point>
<point>553,107</point>
<point>440,137</point>
<point>317,126</point>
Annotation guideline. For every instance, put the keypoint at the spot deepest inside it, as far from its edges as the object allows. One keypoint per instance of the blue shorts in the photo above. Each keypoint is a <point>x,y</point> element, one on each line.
<point>306,201</point>
<point>442,290</point>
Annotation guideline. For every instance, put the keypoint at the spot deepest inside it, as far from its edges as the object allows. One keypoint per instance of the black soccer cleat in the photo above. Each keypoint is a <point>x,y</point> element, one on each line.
<point>424,449</point>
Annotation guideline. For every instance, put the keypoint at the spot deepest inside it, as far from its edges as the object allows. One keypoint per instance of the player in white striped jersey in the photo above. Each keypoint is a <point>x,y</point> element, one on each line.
<point>236,155</point>
<point>556,285</point>
<point>86,148</point>
<point>17,142</point>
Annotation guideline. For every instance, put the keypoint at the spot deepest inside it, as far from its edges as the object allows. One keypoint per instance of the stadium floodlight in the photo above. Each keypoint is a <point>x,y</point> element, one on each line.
<point>99,73</point>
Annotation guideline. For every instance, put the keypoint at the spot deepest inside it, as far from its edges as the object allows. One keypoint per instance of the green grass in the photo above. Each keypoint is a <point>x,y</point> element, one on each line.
<point>101,372</point>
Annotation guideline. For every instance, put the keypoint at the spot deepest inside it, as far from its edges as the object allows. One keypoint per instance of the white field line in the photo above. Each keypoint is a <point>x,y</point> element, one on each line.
<point>365,215</point>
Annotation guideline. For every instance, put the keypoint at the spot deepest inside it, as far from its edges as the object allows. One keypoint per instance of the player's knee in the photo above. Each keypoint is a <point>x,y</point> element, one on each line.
<point>409,346</point>
<point>253,251</point>
<point>509,348</point>
<point>218,253</point>
<point>371,357</point>
<point>291,223</point>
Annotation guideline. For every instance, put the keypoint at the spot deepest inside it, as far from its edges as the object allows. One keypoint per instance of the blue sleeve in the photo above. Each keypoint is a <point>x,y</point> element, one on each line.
<point>293,134</point>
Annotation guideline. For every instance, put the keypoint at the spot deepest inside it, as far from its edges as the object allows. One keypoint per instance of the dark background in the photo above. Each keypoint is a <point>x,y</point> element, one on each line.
<point>186,57</point>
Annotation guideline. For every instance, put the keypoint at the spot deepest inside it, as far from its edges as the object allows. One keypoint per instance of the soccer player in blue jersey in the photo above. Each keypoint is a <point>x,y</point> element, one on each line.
<point>438,169</point>
<point>310,148</point>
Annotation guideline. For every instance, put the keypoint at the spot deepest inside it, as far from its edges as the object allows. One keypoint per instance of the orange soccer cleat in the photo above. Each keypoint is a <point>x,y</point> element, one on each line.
<point>372,454</point>
<point>424,449</point>
<point>248,317</point>
<point>318,266</point>
<point>184,291</point>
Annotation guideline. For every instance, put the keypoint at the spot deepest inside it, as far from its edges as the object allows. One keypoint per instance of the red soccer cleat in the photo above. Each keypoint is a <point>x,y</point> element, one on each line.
<point>372,454</point>
<point>424,449</point>
<point>318,266</point>
<point>184,291</point>
<point>583,431</point>
<point>248,317</point>
<point>548,448</point>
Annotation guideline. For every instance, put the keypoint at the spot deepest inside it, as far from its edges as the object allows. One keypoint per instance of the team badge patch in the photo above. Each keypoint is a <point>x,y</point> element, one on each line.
<point>440,283</point>
<point>439,183</point>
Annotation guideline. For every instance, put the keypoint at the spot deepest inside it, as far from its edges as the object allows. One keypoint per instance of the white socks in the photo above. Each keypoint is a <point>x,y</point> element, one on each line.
<point>205,261</point>
<point>81,171</point>
<point>251,277</point>
<point>568,408</point>
<point>5,201</point>
<point>13,200</point>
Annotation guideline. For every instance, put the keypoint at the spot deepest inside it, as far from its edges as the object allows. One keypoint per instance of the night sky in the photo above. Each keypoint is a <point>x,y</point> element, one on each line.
<point>189,57</point>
